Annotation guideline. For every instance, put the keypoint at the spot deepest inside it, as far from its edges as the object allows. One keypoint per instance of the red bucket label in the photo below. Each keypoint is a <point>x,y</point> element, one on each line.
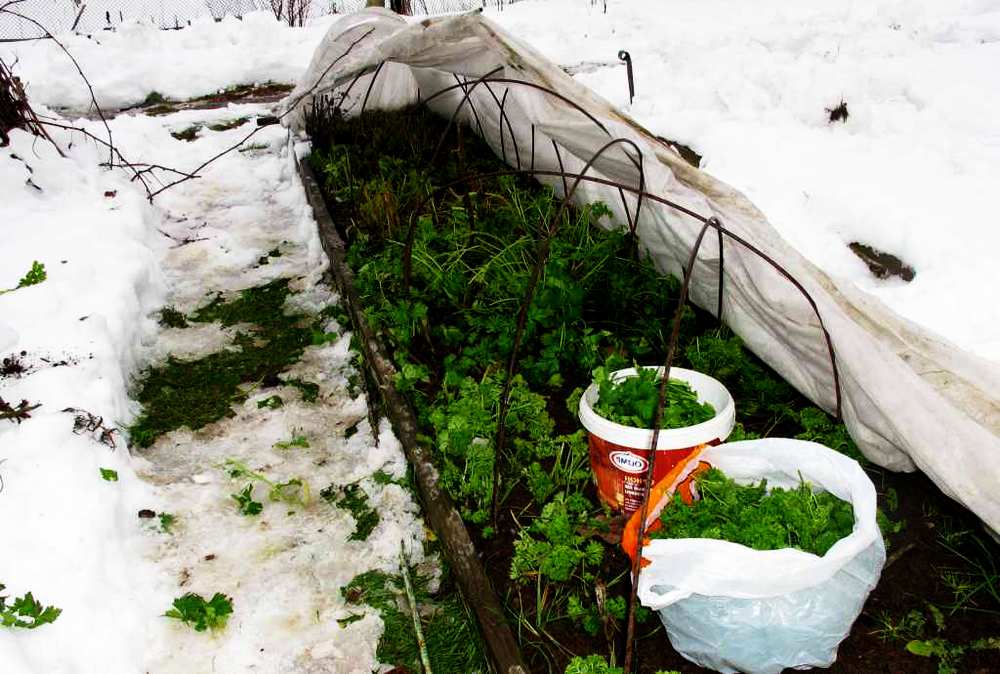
<point>619,471</point>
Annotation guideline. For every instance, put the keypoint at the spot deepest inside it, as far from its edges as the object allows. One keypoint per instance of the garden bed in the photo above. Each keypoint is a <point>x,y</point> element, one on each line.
<point>448,313</point>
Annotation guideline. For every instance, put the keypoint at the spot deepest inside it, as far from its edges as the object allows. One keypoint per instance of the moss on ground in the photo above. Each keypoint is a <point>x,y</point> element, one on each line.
<point>195,393</point>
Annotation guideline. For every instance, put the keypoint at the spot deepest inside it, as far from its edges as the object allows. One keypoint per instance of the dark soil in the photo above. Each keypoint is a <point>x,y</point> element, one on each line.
<point>881,264</point>
<point>13,365</point>
<point>22,364</point>
<point>686,152</point>
<point>838,113</point>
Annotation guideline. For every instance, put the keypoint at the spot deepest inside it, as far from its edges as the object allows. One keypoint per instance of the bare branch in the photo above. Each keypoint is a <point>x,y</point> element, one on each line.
<point>76,64</point>
<point>9,3</point>
<point>294,10</point>
<point>15,111</point>
<point>115,152</point>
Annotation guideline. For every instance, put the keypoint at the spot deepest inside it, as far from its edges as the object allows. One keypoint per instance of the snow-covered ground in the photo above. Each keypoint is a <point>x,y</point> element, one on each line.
<point>76,540</point>
<point>69,536</point>
<point>98,16</point>
<point>128,64</point>
<point>284,568</point>
<point>912,171</point>
<point>94,17</point>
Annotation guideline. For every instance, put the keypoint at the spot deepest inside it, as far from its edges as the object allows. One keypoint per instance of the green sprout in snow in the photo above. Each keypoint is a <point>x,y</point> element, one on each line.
<point>192,610</point>
<point>34,276</point>
<point>26,612</point>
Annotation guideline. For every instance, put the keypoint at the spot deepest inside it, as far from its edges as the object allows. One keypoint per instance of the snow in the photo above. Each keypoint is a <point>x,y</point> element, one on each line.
<point>96,17</point>
<point>128,64</point>
<point>912,170</point>
<point>113,261</point>
<point>283,569</point>
<point>74,534</point>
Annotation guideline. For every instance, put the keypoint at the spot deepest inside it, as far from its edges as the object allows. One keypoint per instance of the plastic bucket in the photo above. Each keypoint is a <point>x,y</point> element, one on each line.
<point>619,455</point>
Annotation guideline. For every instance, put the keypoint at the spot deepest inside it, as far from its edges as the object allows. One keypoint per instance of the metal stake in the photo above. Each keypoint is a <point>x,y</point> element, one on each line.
<point>626,58</point>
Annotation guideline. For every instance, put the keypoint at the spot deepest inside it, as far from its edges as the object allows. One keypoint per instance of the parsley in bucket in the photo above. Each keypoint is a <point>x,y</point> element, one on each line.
<point>617,410</point>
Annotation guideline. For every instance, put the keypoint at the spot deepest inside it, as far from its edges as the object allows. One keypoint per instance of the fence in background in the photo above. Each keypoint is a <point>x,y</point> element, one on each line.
<point>94,16</point>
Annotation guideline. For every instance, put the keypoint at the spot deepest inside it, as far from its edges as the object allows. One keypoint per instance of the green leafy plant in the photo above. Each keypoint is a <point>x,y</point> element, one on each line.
<point>192,610</point>
<point>765,399</point>
<point>349,620</point>
<point>109,475</point>
<point>296,441</point>
<point>354,500</point>
<point>271,403</point>
<point>25,611</point>
<point>167,522</point>
<point>187,134</point>
<point>309,390</point>
<point>321,337</point>
<point>244,501</point>
<point>452,640</point>
<point>976,575</point>
<point>294,491</point>
<point>913,629</point>
<point>252,147</point>
<point>596,664</point>
<point>591,664</point>
<point>753,516</point>
<point>909,627</point>
<point>588,615</point>
<point>632,401</point>
<point>552,548</point>
<point>34,276</point>
<point>948,655</point>
<point>226,126</point>
<point>465,424</point>
<point>382,477</point>
<point>819,427</point>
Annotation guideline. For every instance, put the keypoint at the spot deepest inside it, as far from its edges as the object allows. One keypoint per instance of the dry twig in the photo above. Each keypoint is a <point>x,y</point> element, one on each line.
<point>17,413</point>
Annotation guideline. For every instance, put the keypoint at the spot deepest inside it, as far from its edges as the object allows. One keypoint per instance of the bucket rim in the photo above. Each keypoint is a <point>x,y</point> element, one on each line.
<point>709,390</point>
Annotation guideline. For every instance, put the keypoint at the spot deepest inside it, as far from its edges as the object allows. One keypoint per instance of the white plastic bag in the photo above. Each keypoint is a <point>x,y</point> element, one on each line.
<point>734,609</point>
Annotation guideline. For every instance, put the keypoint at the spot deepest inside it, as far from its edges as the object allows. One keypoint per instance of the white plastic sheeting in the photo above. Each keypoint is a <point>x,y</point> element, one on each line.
<point>909,399</point>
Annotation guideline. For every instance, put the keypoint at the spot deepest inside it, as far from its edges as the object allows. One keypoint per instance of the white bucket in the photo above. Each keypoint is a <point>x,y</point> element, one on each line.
<point>619,454</point>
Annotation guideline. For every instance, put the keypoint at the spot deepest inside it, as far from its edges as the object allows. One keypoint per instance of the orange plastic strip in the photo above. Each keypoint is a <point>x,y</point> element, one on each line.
<point>661,490</point>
